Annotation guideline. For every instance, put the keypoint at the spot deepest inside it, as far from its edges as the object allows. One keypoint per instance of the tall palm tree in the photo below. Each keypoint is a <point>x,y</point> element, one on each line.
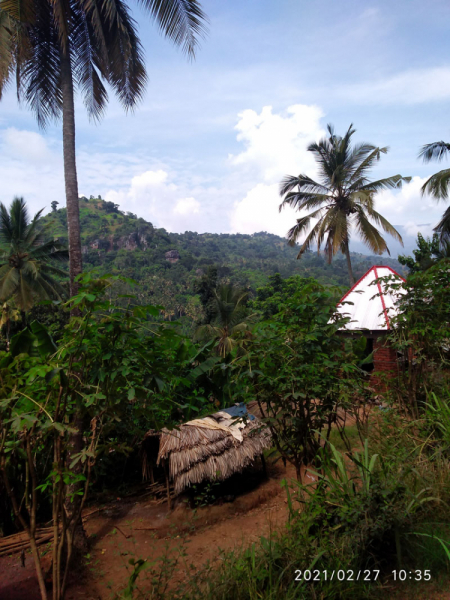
<point>438,184</point>
<point>231,321</point>
<point>343,198</point>
<point>27,269</point>
<point>50,47</point>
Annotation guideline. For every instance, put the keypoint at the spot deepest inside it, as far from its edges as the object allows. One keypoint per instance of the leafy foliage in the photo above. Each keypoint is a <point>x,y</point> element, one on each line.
<point>298,369</point>
<point>114,374</point>
<point>230,327</point>
<point>121,244</point>
<point>420,331</point>
<point>428,252</point>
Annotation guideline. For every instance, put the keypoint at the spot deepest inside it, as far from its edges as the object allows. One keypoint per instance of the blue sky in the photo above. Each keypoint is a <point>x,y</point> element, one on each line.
<point>207,147</point>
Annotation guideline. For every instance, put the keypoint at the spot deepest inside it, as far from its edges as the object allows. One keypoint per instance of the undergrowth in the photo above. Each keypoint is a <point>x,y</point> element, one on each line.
<point>367,512</point>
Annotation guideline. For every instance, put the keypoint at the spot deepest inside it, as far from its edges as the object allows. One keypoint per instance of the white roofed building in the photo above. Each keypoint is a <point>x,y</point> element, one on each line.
<point>370,307</point>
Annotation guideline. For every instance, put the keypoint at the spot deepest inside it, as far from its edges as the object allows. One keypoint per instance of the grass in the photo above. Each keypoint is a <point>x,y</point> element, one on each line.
<point>352,434</point>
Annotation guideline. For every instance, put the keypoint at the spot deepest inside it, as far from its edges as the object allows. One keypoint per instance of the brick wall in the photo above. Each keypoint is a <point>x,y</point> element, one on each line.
<point>384,357</point>
<point>384,364</point>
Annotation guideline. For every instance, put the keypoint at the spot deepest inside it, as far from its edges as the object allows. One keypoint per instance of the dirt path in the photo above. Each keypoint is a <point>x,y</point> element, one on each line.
<point>144,530</point>
<point>147,531</point>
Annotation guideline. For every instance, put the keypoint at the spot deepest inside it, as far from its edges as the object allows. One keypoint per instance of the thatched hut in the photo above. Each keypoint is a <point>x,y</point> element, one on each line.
<point>212,448</point>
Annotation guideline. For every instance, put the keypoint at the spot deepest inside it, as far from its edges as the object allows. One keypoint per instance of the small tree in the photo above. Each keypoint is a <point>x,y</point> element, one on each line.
<point>107,369</point>
<point>300,371</point>
<point>230,326</point>
<point>420,330</point>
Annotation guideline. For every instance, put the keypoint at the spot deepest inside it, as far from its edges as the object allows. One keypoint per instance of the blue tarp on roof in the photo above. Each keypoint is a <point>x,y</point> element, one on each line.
<point>238,410</point>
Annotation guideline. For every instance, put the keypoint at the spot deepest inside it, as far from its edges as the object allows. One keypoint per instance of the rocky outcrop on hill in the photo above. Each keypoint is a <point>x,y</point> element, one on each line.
<point>172,256</point>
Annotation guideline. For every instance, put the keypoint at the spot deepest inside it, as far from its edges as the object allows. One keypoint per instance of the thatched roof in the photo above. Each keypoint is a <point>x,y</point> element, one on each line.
<point>212,448</point>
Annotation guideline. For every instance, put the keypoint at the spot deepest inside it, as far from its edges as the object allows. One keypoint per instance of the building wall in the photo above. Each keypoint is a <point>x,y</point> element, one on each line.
<point>385,364</point>
<point>384,357</point>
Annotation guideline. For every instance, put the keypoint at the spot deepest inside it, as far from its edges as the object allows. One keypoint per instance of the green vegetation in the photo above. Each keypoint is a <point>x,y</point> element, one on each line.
<point>27,265</point>
<point>184,282</point>
<point>118,367</point>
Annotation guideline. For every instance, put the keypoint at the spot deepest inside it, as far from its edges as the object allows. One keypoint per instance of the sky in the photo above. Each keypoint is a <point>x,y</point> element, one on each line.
<point>207,147</point>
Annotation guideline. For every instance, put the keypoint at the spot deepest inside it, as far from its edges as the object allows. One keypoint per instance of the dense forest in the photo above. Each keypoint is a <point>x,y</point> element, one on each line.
<point>169,266</point>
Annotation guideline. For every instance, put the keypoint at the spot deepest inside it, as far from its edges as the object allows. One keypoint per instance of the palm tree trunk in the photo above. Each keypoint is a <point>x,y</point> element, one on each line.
<point>70,170</point>
<point>75,256</point>
<point>349,262</point>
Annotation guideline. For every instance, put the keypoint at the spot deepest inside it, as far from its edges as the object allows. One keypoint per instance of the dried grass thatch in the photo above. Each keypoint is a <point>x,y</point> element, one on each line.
<point>195,453</point>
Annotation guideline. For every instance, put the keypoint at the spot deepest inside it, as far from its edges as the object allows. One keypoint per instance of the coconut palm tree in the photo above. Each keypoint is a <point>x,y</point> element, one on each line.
<point>437,185</point>
<point>27,269</point>
<point>231,324</point>
<point>342,199</point>
<point>8,315</point>
<point>51,47</point>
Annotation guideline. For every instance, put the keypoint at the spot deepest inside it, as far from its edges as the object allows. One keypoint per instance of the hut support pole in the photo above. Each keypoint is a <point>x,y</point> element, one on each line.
<point>264,466</point>
<point>166,471</point>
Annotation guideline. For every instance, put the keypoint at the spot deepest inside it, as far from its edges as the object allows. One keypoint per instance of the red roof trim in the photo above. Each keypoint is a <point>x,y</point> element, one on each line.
<point>382,299</point>
<point>375,267</point>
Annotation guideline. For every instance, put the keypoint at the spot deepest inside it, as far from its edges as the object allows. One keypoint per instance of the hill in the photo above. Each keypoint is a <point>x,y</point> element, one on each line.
<point>168,265</point>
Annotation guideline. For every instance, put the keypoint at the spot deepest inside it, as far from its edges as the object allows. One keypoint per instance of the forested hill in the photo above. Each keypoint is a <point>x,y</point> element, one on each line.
<point>168,265</point>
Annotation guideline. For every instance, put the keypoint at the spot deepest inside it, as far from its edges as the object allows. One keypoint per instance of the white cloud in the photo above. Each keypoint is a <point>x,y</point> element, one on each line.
<point>29,167</point>
<point>258,211</point>
<point>275,144</point>
<point>414,86</point>
<point>27,146</point>
<point>187,206</point>
<point>153,196</point>
<point>407,205</point>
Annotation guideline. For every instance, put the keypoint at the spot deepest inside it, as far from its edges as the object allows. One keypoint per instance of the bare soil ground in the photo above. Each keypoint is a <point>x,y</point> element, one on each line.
<point>141,529</point>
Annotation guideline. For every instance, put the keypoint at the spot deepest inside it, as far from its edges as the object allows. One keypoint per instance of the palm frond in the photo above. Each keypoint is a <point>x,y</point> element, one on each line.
<point>182,21</point>
<point>125,57</point>
<point>40,77</point>
<point>437,185</point>
<point>302,225</point>
<point>303,183</point>
<point>386,226</point>
<point>7,50</point>
<point>303,200</point>
<point>9,283</point>
<point>366,155</point>
<point>6,228</point>
<point>443,227</point>
<point>89,51</point>
<point>369,234</point>
<point>295,232</point>
<point>393,182</point>
<point>434,151</point>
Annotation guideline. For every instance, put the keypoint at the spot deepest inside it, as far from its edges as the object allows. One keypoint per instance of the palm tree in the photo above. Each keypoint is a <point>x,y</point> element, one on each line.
<point>8,315</point>
<point>437,185</point>
<point>343,198</point>
<point>50,47</point>
<point>26,270</point>
<point>231,320</point>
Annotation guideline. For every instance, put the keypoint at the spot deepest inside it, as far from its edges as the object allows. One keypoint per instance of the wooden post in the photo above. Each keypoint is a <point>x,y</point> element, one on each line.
<point>166,471</point>
<point>152,475</point>
<point>264,467</point>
